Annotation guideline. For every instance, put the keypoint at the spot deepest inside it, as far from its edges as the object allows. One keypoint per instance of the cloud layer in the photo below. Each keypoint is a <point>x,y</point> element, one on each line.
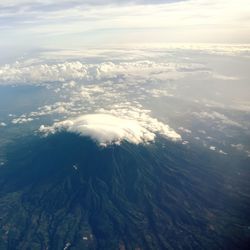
<point>107,129</point>
<point>113,95</point>
<point>39,73</point>
<point>36,24</point>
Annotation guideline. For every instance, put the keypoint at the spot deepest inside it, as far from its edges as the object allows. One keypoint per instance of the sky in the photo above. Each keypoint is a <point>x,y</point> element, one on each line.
<point>26,24</point>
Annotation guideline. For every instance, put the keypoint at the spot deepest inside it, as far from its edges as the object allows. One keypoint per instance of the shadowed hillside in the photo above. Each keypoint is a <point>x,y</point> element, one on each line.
<point>65,192</point>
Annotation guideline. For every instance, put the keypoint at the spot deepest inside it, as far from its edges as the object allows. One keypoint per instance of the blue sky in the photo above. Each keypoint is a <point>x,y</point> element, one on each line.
<point>29,24</point>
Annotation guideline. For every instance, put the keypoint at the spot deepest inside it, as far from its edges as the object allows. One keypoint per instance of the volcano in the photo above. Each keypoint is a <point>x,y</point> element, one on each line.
<point>64,191</point>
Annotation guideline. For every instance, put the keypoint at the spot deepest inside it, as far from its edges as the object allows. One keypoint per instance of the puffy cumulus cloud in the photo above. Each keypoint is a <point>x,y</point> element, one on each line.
<point>154,64</point>
<point>136,112</point>
<point>56,108</point>
<point>87,92</point>
<point>21,120</point>
<point>42,73</point>
<point>107,128</point>
<point>220,151</point>
<point>185,130</point>
<point>71,71</point>
<point>3,124</point>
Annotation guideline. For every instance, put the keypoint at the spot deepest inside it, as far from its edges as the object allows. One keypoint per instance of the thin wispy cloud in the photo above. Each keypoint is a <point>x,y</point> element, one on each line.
<point>47,23</point>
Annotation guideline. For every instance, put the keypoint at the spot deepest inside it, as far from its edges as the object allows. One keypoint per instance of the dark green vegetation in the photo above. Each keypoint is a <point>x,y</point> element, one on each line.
<point>65,192</point>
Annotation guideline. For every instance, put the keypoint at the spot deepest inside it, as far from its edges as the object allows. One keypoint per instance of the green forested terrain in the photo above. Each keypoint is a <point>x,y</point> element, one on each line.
<point>65,192</point>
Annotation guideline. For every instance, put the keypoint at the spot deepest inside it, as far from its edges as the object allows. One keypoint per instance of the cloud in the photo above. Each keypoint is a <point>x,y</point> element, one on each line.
<point>20,73</point>
<point>67,23</point>
<point>130,65</point>
<point>42,73</point>
<point>222,152</point>
<point>159,93</point>
<point>3,124</point>
<point>217,118</point>
<point>225,78</point>
<point>21,120</point>
<point>112,83</point>
<point>238,146</point>
<point>185,130</point>
<point>107,128</point>
<point>242,148</point>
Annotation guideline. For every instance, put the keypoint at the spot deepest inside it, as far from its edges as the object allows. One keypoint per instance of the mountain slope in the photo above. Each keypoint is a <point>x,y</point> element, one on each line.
<point>65,192</point>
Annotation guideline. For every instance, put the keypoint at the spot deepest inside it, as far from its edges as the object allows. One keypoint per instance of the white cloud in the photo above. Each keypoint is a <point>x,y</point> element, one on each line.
<point>185,130</point>
<point>40,73</point>
<point>70,71</point>
<point>213,148</point>
<point>58,108</point>
<point>115,88</point>
<point>21,120</point>
<point>222,152</point>
<point>159,92</point>
<point>225,78</point>
<point>151,64</point>
<point>218,118</point>
<point>107,128</point>
<point>3,124</point>
<point>192,20</point>
<point>239,146</point>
